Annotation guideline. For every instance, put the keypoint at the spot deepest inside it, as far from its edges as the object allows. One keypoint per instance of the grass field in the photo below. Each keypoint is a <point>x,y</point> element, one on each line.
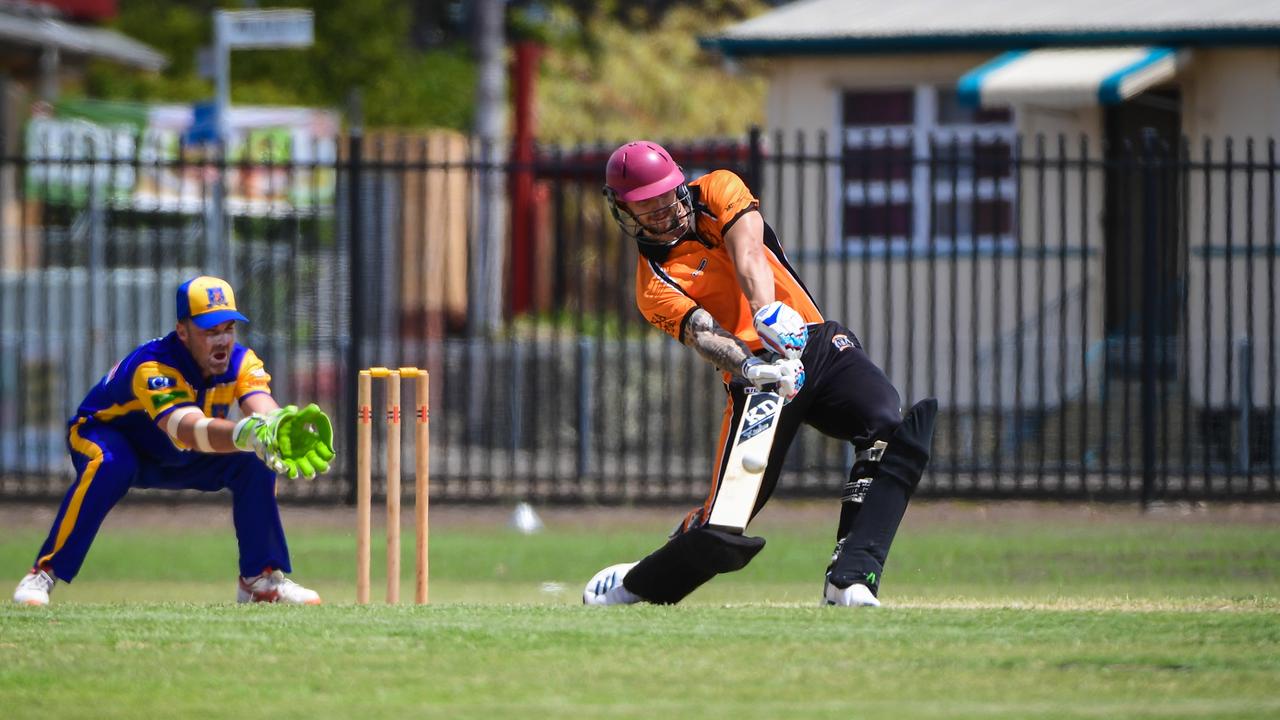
<point>1001,610</point>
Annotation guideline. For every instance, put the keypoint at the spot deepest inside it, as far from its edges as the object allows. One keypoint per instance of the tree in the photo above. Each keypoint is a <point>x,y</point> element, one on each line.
<point>647,76</point>
<point>612,69</point>
<point>365,45</point>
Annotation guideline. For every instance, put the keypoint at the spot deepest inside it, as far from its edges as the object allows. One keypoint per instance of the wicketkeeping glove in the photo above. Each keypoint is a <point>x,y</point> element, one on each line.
<point>304,441</point>
<point>781,329</point>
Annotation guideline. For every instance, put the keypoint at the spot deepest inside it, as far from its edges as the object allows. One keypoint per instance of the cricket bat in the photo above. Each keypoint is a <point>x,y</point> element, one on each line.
<point>752,442</point>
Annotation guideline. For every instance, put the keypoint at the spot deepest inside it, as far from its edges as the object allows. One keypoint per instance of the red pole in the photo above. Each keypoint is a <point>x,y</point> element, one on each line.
<point>524,71</point>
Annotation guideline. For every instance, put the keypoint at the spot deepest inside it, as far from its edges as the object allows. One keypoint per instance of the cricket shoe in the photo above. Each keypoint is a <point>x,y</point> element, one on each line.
<point>271,587</point>
<point>606,587</point>
<point>856,595</point>
<point>34,588</point>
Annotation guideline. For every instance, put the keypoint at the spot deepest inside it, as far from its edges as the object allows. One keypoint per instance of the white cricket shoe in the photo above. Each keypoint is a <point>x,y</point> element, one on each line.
<point>606,587</point>
<point>272,586</point>
<point>34,588</point>
<point>856,595</point>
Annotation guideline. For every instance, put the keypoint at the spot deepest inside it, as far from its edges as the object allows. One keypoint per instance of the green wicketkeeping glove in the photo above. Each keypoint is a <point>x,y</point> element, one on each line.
<point>304,441</point>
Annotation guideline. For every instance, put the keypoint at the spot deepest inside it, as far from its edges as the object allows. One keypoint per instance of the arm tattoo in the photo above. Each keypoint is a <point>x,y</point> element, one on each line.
<point>715,344</point>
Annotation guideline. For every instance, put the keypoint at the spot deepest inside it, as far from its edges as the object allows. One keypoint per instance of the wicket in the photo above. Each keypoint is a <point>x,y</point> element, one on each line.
<point>364,479</point>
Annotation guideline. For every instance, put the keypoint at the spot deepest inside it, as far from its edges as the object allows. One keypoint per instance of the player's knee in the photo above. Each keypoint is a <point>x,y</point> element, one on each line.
<point>900,450</point>
<point>883,419</point>
<point>908,449</point>
<point>116,471</point>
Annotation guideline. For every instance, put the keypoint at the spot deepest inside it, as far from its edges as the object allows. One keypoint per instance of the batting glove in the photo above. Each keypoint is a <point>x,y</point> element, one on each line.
<point>785,377</point>
<point>781,329</point>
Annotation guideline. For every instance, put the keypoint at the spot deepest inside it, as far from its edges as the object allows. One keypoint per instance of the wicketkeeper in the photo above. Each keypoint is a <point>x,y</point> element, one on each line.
<point>158,420</point>
<point>713,275</point>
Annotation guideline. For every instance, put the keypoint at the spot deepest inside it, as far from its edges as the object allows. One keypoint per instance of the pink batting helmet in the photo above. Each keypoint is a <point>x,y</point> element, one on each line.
<point>641,170</point>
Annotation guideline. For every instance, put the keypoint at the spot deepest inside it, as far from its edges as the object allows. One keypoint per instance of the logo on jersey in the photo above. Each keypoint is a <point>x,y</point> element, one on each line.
<point>159,382</point>
<point>842,343</point>
<point>161,399</point>
<point>702,266</point>
<point>220,411</point>
<point>665,324</point>
<point>216,297</point>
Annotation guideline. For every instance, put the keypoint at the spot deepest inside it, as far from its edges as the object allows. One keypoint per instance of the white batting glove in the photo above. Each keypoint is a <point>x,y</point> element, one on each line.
<point>781,329</point>
<point>785,377</point>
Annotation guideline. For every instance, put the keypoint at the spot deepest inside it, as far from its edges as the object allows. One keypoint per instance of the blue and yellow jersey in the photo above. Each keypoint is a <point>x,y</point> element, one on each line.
<point>160,376</point>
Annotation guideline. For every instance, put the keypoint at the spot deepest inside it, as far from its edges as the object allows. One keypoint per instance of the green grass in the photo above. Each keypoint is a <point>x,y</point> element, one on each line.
<point>988,614</point>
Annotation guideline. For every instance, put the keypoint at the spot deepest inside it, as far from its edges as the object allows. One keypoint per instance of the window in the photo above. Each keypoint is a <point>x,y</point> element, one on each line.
<point>920,168</point>
<point>878,109</point>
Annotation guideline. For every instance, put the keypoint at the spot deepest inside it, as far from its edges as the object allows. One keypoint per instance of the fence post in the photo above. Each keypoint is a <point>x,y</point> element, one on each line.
<point>1149,289</point>
<point>585,403</point>
<point>1244,349</point>
<point>755,162</point>
<point>356,329</point>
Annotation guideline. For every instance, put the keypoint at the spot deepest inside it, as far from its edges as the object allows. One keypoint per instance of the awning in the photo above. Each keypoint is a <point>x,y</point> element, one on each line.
<point>39,33</point>
<point>1068,77</point>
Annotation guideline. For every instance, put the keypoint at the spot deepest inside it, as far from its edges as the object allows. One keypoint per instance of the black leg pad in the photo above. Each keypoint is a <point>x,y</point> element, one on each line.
<point>907,455</point>
<point>687,561</point>
<point>861,555</point>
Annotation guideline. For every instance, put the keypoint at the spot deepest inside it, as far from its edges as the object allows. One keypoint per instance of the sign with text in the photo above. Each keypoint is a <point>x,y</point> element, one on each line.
<point>266,28</point>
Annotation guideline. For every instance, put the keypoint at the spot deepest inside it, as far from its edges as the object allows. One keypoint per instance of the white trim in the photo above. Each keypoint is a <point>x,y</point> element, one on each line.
<point>926,107</point>
<point>877,192</point>
<point>982,133</point>
<point>664,278</point>
<point>964,191</point>
<point>877,136</point>
<point>962,246</point>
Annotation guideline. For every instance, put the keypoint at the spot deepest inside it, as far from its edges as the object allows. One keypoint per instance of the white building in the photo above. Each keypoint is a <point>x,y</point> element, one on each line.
<point>885,79</point>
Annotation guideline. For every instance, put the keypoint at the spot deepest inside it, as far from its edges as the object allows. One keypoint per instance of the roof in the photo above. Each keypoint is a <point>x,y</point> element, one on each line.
<point>72,39</point>
<point>811,27</point>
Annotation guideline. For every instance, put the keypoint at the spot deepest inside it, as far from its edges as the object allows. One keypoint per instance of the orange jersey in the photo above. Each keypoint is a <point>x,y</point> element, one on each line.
<point>700,273</point>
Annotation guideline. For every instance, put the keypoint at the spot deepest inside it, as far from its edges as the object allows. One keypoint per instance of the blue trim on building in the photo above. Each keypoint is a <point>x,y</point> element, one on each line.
<point>943,248</point>
<point>970,85</point>
<point>759,47</point>
<point>1236,251</point>
<point>1109,89</point>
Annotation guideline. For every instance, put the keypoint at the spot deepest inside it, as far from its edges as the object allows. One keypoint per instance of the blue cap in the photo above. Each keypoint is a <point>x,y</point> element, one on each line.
<point>208,302</point>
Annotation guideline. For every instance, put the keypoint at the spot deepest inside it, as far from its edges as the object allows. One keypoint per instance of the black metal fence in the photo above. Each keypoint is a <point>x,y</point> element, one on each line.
<point>1096,322</point>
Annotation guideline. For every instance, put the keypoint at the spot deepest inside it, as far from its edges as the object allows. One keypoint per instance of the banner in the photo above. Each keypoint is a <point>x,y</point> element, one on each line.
<point>280,160</point>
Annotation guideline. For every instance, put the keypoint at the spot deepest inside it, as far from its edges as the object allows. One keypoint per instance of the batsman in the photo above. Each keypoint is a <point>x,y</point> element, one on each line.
<point>158,419</point>
<point>712,274</point>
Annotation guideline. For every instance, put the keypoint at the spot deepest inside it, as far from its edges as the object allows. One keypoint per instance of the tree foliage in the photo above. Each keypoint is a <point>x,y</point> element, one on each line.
<point>612,69</point>
<point>637,71</point>
<point>359,45</point>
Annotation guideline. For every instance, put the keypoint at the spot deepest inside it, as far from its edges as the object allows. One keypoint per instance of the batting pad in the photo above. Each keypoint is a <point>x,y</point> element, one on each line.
<point>687,561</point>
<point>861,555</point>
